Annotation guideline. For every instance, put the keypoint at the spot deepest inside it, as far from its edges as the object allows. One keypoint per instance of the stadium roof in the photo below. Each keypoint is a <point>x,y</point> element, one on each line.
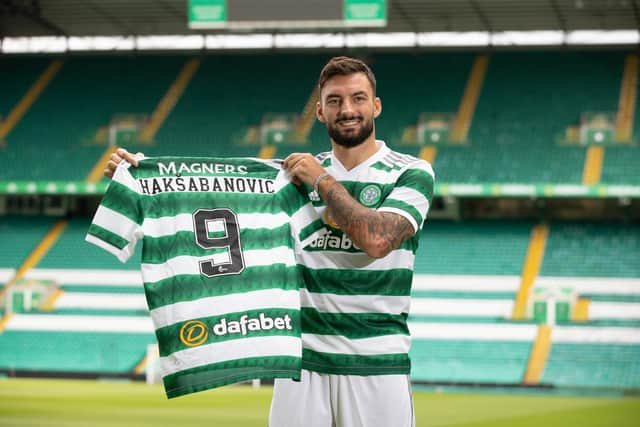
<point>161,17</point>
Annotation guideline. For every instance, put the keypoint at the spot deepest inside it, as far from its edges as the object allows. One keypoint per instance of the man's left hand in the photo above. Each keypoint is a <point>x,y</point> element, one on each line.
<point>303,167</point>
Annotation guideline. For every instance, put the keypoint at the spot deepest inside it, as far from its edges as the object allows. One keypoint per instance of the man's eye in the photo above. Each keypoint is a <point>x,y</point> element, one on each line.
<point>332,101</point>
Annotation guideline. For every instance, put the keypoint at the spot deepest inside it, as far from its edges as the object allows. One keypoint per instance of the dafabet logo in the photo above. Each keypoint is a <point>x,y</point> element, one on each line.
<point>193,333</point>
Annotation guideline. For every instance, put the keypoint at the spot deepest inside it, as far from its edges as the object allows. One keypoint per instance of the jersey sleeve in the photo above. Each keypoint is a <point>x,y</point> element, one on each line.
<point>116,226</point>
<point>306,224</point>
<point>412,194</point>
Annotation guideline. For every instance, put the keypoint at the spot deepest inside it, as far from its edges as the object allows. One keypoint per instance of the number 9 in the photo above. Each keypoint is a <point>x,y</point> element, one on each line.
<point>232,262</point>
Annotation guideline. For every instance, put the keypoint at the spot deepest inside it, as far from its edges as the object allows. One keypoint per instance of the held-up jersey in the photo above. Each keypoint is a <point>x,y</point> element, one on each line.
<point>355,308</point>
<point>218,263</point>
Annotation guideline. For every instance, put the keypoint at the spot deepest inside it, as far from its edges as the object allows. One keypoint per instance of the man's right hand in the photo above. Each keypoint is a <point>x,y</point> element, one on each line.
<point>119,155</point>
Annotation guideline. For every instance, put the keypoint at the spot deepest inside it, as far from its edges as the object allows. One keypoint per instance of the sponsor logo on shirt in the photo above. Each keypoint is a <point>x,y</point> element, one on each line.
<point>332,241</point>
<point>247,324</point>
<point>172,168</point>
<point>194,332</point>
<point>328,219</point>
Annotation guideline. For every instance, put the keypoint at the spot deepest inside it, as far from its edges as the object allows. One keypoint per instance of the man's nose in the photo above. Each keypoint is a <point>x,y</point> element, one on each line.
<point>346,108</point>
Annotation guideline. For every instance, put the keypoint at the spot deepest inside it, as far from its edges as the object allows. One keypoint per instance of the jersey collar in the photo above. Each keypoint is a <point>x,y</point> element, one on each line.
<point>383,150</point>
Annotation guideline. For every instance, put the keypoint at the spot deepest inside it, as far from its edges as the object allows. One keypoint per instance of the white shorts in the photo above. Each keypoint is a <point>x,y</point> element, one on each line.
<point>325,400</point>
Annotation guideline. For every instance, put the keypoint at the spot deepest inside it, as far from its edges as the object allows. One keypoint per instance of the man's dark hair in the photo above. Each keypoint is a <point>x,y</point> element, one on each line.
<point>345,66</point>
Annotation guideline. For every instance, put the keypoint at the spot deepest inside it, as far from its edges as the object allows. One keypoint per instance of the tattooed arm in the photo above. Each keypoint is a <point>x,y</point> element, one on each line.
<point>376,233</point>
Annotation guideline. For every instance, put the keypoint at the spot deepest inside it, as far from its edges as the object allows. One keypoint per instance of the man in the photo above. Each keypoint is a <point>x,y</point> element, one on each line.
<point>357,279</point>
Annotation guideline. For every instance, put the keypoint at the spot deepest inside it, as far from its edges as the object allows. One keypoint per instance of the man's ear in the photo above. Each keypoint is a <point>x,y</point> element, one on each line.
<point>319,113</point>
<point>377,107</point>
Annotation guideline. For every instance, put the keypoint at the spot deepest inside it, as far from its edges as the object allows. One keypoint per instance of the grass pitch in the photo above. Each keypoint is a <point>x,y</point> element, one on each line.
<point>56,403</point>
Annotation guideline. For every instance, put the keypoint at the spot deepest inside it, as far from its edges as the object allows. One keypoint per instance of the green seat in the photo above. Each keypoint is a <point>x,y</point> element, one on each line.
<point>51,351</point>
<point>20,236</point>
<point>72,251</point>
<point>469,361</point>
<point>83,97</point>
<point>605,365</point>
<point>620,165</point>
<point>473,247</point>
<point>592,250</point>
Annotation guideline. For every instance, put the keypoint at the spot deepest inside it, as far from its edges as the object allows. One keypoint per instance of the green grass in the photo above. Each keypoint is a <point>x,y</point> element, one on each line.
<point>53,403</point>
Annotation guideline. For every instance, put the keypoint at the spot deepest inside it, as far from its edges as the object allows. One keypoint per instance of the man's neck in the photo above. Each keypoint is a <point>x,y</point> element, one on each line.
<point>353,156</point>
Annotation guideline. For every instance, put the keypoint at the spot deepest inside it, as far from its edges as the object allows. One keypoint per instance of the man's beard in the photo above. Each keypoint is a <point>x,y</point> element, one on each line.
<point>353,139</point>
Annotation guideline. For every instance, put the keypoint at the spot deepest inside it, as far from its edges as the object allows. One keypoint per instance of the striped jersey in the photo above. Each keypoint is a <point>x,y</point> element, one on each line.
<point>355,308</point>
<point>218,263</point>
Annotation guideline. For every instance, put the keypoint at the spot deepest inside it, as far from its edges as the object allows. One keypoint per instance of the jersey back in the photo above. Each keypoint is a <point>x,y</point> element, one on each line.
<point>220,277</point>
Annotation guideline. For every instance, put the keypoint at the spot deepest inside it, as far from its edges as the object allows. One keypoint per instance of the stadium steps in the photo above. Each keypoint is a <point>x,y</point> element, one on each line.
<point>307,117</point>
<point>428,153</point>
<point>535,254</point>
<point>538,356</point>
<point>627,102</point>
<point>267,152</point>
<point>469,99</point>
<point>166,104</point>
<point>592,170</point>
<point>16,114</point>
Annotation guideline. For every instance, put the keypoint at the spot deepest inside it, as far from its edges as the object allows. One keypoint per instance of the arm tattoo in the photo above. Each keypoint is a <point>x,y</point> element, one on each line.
<point>380,232</point>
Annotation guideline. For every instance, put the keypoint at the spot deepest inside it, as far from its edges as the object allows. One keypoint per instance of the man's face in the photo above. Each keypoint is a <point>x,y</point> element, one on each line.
<point>348,108</point>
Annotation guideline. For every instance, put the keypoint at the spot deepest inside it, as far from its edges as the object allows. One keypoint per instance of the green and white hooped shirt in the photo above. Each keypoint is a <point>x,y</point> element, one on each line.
<point>355,308</point>
<point>218,264</point>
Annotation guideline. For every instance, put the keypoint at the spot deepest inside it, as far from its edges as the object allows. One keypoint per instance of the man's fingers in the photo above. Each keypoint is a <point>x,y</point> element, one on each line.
<point>111,165</point>
<point>131,158</point>
<point>289,161</point>
<point>115,158</point>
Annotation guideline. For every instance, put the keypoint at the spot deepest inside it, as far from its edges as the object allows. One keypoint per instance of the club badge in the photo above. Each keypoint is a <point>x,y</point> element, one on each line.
<point>370,195</point>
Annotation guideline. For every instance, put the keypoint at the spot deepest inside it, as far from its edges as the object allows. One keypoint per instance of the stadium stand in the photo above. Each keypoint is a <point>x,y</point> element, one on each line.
<point>467,291</point>
<point>219,106</point>
<point>74,344</point>
<point>469,361</point>
<point>470,285</point>
<point>93,319</point>
<point>587,357</point>
<point>468,272</point>
<point>621,165</point>
<point>81,99</point>
<point>16,76</point>
<point>20,235</point>
<point>521,109</point>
